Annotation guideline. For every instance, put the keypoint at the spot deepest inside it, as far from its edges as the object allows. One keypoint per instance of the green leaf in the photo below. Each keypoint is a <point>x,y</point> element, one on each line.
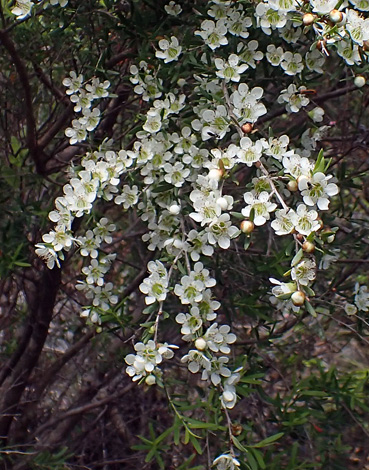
<point>269,440</point>
<point>196,444</point>
<point>297,258</point>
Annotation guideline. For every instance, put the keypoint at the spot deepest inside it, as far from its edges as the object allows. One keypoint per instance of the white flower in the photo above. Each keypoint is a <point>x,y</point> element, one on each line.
<point>196,361</point>
<point>249,152</point>
<point>237,24</point>
<point>294,98</point>
<point>260,205</point>
<point>323,6</point>
<point>97,89</point>
<point>269,18</point>
<point>292,63</point>
<point>89,244</point>
<point>229,396</point>
<point>350,309</point>
<point>48,254</point>
<point>147,358</point>
<point>190,289</point>
<point>169,50</point>
<point>218,339</point>
<point>95,272</point>
<point>22,8</point>
<point>213,34</point>
<point>173,8</point>
<point>362,5</point>
<point>90,119</point>
<point>317,190</point>
<point>218,370</point>
<point>198,244</point>
<point>77,133</point>
<point>221,231</point>
<point>230,70</point>
<point>103,230</point>
<point>128,196</point>
<point>314,60</point>
<point>226,462</point>
<point>317,114</point>
<point>248,53</point>
<point>285,221</point>
<point>246,103</point>
<point>361,298</point>
<point>274,55</point>
<point>357,27</point>
<point>175,174</point>
<point>283,5</point>
<point>155,287</point>
<point>306,222</point>
<point>304,272</point>
<point>73,83</point>
<point>349,51</point>
<point>276,147</point>
<point>297,166</point>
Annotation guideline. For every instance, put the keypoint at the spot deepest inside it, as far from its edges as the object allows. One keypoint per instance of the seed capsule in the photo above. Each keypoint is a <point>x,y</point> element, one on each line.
<point>292,186</point>
<point>308,247</point>
<point>247,226</point>
<point>336,16</point>
<point>308,19</point>
<point>359,81</point>
<point>247,128</point>
<point>298,298</point>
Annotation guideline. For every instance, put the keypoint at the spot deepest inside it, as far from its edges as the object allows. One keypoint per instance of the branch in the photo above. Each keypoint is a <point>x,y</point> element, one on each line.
<point>37,156</point>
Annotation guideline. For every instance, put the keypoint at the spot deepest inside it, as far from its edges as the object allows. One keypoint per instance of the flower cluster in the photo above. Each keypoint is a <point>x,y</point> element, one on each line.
<point>83,99</point>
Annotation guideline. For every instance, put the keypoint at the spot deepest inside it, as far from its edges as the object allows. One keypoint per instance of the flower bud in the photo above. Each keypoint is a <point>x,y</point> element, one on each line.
<point>292,186</point>
<point>215,174</point>
<point>150,380</point>
<point>200,344</point>
<point>298,298</point>
<point>247,226</point>
<point>359,81</point>
<point>222,203</point>
<point>247,128</point>
<point>308,247</point>
<point>174,209</point>
<point>366,45</point>
<point>308,19</point>
<point>236,429</point>
<point>336,16</point>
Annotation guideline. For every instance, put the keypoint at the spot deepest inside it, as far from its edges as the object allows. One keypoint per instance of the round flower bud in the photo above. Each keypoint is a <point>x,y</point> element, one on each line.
<point>359,81</point>
<point>308,19</point>
<point>150,380</point>
<point>247,226</point>
<point>292,186</point>
<point>222,203</point>
<point>200,344</point>
<point>308,247</point>
<point>215,174</point>
<point>236,429</point>
<point>175,209</point>
<point>298,298</point>
<point>336,16</point>
<point>247,128</point>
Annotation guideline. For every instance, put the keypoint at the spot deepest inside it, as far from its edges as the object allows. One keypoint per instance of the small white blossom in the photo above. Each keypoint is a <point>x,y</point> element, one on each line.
<point>260,205</point>
<point>170,51</point>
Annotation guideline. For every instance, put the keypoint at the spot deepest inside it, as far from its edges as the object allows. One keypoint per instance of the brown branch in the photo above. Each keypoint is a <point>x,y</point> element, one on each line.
<point>36,154</point>
<point>318,99</point>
